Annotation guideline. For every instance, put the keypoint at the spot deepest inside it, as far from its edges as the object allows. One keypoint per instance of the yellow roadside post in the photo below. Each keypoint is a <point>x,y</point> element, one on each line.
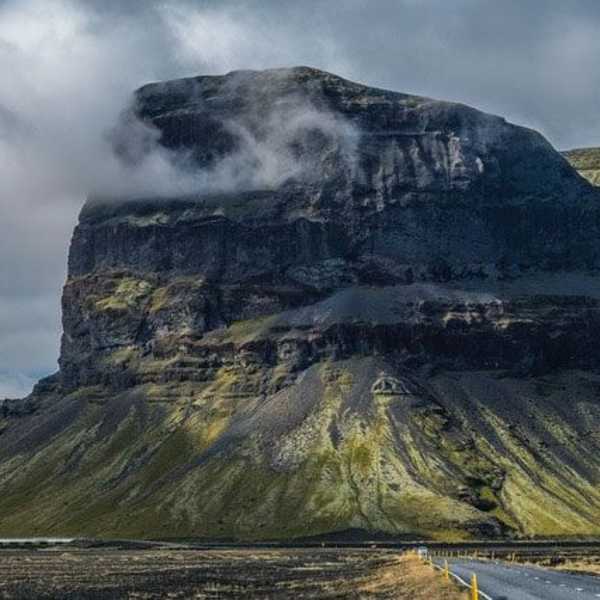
<point>446,570</point>
<point>474,588</point>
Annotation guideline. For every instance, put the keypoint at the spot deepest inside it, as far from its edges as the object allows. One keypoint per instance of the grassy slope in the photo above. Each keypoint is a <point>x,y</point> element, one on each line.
<point>587,162</point>
<point>213,463</point>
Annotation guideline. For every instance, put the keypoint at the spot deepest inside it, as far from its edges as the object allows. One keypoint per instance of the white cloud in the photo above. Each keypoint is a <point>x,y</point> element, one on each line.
<point>228,36</point>
<point>15,385</point>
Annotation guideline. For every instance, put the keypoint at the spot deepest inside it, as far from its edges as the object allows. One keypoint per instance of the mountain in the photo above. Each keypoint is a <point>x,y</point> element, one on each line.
<point>363,310</point>
<point>587,162</point>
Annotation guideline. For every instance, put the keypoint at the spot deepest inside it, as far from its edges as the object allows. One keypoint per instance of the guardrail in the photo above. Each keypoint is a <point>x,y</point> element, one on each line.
<point>476,593</point>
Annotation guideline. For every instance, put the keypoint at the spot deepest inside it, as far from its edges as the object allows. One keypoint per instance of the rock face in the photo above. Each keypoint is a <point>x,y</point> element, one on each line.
<point>373,311</point>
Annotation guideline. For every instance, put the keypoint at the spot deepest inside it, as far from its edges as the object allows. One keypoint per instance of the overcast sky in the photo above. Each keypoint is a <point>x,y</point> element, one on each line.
<point>67,69</point>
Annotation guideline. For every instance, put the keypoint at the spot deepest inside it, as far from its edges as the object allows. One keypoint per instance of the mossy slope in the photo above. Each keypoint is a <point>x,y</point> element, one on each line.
<point>452,458</point>
<point>587,162</point>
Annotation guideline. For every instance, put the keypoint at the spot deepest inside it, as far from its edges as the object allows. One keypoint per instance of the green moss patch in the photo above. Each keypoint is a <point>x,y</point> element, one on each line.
<point>129,293</point>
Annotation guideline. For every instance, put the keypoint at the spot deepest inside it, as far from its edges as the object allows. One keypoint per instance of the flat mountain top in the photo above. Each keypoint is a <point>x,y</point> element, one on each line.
<point>304,130</point>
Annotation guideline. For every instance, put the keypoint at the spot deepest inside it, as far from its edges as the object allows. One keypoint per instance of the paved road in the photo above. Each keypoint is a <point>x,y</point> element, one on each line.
<point>504,581</point>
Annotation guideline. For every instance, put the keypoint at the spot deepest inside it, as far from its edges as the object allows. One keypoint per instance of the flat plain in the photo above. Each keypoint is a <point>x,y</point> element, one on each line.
<point>177,573</point>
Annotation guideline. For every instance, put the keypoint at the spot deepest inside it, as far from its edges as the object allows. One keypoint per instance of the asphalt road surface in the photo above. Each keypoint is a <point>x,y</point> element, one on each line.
<point>504,581</point>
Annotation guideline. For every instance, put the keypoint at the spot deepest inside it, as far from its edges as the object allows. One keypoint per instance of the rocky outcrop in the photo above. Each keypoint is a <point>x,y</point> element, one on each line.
<point>587,163</point>
<point>370,310</point>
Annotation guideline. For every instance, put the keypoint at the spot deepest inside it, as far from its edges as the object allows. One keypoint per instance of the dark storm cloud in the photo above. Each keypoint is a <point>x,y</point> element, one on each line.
<point>68,68</point>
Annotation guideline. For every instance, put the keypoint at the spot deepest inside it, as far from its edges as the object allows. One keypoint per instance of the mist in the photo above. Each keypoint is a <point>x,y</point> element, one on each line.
<point>267,146</point>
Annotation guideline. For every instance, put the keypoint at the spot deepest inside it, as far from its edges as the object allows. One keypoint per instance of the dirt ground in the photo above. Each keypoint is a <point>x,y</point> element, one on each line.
<point>140,574</point>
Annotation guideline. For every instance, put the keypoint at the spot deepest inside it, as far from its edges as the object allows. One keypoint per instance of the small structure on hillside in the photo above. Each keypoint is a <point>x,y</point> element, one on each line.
<point>386,385</point>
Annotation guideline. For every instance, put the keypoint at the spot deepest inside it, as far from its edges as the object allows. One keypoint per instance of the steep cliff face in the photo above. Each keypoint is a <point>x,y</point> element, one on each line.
<point>371,310</point>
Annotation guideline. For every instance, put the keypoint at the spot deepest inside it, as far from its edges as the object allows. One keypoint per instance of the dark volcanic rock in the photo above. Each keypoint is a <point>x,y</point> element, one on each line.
<point>343,170</point>
<point>369,310</point>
